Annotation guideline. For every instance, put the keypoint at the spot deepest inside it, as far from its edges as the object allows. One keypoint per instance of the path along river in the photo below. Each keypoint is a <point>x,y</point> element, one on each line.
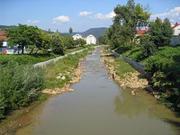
<point>98,106</point>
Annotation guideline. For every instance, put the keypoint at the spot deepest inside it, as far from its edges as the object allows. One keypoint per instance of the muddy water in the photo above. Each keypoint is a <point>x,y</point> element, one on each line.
<point>98,106</point>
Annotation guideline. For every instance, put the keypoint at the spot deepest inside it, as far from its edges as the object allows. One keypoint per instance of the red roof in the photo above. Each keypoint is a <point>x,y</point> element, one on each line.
<point>3,36</point>
<point>177,24</point>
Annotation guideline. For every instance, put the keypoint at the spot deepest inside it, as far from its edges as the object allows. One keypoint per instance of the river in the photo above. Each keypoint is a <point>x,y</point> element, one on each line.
<point>98,106</point>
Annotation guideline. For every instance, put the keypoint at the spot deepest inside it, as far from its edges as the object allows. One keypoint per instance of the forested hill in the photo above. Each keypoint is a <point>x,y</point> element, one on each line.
<point>97,32</point>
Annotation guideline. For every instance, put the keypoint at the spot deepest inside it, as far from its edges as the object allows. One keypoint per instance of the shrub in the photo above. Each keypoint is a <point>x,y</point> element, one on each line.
<point>135,54</point>
<point>164,68</point>
<point>19,86</point>
<point>147,46</point>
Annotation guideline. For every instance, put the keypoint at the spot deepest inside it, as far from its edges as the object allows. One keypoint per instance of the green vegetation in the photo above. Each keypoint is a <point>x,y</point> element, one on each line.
<point>65,67</point>
<point>24,59</point>
<point>122,67</point>
<point>38,41</point>
<point>20,82</point>
<point>19,86</point>
<point>161,60</point>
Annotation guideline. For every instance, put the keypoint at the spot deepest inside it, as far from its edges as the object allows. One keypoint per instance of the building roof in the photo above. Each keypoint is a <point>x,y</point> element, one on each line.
<point>3,36</point>
<point>176,24</point>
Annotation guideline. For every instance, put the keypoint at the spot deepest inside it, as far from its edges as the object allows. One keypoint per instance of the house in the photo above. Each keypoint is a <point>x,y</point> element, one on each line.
<point>77,36</point>
<point>176,29</point>
<point>91,40</point>
<point>175,40</point>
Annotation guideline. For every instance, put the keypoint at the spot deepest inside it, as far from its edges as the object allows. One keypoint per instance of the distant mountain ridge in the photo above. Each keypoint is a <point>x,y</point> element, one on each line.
<point>97,32</point>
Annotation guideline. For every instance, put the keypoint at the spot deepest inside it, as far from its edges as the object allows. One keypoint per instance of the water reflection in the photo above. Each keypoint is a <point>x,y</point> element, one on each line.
<point>128,105</point>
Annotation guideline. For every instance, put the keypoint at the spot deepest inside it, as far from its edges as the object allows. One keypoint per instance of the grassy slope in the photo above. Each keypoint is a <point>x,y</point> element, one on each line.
<point>65,67</point>
<point>122,67</point>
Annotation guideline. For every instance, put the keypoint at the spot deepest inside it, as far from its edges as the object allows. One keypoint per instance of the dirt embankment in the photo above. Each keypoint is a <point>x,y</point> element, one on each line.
<point>76,76</point>
<point>132,80</point>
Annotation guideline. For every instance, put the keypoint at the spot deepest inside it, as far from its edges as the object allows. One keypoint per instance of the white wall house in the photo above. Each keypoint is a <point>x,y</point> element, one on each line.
<point>77,36</point>
<point>5,44</point>
<point>176,29</point>
<point>91,39</point>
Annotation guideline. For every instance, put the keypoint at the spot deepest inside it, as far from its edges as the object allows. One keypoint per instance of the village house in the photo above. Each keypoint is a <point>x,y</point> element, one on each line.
<point>91,39</point>
<point>4,47</point>
<point>176,29</point>
<point>77,36</point>
<point>176,36</point>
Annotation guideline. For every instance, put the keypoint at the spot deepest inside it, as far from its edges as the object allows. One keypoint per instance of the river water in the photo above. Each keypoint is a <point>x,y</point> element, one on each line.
<point>98,106</point>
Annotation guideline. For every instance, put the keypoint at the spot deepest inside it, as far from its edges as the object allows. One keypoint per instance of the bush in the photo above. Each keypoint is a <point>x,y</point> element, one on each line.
<point>19,86</point>
<point>164,68</point>
<point>135,54</point>
<point>147,46</point>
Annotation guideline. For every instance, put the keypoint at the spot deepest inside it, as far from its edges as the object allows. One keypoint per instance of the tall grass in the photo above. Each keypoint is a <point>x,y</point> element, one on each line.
<point>19,86</point>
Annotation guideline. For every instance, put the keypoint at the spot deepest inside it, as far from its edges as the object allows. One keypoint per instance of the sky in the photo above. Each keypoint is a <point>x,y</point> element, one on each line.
<point>78,14</point>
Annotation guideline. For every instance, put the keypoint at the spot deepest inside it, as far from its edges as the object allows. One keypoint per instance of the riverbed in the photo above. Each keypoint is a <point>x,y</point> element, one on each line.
<point>98,106</point>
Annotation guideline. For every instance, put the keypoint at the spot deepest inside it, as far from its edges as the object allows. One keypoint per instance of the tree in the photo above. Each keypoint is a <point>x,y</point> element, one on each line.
<point>147,46</point>
<point>123,30</point>
<point>68,42</point>
<point>161,32</point>
<point>79,42</point>
<point>24,35</point>
<point>56,44</point>
<point>70,31</point>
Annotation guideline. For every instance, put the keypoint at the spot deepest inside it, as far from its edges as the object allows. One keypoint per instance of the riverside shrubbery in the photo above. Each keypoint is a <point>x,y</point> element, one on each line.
<point>19,86</point>
<point>164,68</point>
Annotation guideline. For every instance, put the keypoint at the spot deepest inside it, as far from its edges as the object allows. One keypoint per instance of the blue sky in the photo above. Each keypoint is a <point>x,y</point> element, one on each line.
<point>78,14</point>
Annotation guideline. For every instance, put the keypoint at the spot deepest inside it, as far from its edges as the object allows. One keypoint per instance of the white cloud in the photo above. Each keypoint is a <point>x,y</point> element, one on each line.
<point>85,13</point>
<point>108,16</point>
<point>61,19</point>
<point>33,22</point>
<point>173,15</point>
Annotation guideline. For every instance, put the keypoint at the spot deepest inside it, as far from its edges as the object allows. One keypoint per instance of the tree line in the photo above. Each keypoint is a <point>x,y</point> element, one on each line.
<point>37,40</point>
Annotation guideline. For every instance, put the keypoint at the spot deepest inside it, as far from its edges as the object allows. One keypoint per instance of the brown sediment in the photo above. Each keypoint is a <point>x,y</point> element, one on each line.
<point>17,120</point>
<point>76,77</point>
<point>130,80</point>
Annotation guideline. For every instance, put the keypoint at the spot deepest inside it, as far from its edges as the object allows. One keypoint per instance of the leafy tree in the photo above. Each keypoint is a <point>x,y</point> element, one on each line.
<point>161,32</point>
<point>147,46</point>
<point>24,35</point>
<point>56,44</point>
<point>79,42</point>
<point>123,30</point>
<point>67,42</point>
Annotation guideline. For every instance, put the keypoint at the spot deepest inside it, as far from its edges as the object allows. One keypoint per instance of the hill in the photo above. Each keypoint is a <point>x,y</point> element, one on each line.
<point>97,32</point>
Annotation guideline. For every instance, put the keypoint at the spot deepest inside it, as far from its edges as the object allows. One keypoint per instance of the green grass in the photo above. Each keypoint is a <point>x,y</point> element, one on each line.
<point>24,59</point>
<point>122,67</point>
<point>64,66</point>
